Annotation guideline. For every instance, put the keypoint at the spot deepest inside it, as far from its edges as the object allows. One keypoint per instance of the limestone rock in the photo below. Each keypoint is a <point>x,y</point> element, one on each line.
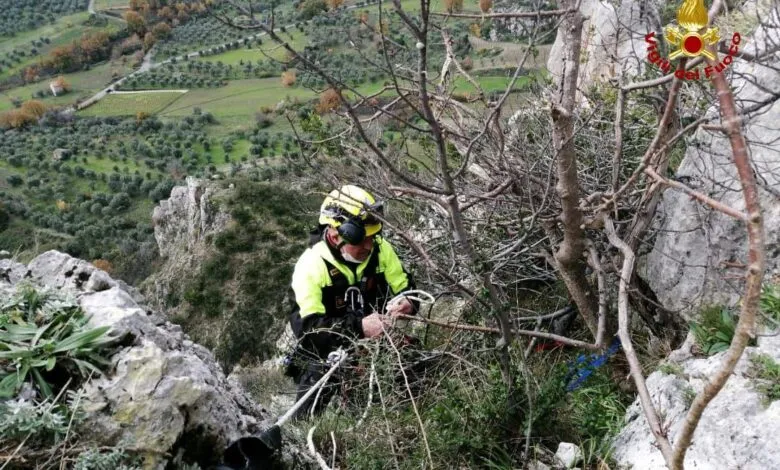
<point>737,430</point>
<point>568,454</point>
<point>183,225</point>
<point>182,220</point>
<point>163,394</point>
<point>11,272</point>
<point>698,252</point>
<point>612,40</point>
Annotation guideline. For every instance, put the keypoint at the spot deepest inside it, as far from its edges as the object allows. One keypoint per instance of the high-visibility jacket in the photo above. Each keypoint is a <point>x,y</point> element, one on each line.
<point>320,281</point>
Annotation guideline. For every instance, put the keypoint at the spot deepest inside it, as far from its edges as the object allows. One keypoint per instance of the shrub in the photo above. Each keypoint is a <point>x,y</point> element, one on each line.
<point>36,423</point>
<point>453,6</point>
<point>115,459</point>
<point>329,100</point>
<point>288,78</point>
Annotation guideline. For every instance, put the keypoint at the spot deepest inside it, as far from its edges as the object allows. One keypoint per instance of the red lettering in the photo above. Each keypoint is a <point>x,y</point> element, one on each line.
<point>735,39</point>
<point>650,38</point>
<point>665,66</point>
<point>719,68</point>
<point>734,49</point>
<point>680,74</point>
<point>654,57</point>
<point>727,60</point>
<point>708,71</point>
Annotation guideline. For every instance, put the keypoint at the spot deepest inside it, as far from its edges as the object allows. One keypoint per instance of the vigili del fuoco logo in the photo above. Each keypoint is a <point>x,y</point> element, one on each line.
<point>690,38</point>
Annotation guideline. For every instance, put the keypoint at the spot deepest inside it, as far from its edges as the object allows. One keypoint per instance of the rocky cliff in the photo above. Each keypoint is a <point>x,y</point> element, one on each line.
<point>163,396</point>
<point>183,226</point>
<point>739,428</point>
<point>613,45</point>
<point>699,254</point>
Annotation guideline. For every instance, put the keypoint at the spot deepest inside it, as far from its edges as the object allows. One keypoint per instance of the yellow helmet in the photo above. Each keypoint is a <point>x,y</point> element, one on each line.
<point>347,209</point>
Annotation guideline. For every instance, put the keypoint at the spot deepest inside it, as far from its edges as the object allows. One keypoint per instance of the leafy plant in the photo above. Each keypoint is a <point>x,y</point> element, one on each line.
<point>21,419</point>
<point>715,329</point>
<point>770,301</point>
<point>94,459</point>
<point>44,335</point>
<point>766,374</point>
<point>671,368</point>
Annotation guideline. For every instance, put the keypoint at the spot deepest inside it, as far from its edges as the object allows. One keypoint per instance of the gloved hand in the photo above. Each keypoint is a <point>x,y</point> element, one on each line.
<point>373,325</point>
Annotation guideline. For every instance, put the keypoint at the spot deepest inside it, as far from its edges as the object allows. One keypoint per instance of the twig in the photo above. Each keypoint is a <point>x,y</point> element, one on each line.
<point>16,451</point>
<point>517,14</point>
<point>313,450</point>
<point>387,425</point>
<point>485,329</point>
<point>717,205</point>
<point>755,273</point>
<point>411,396</point>
<point>333,457</point>
<point>628,348</point>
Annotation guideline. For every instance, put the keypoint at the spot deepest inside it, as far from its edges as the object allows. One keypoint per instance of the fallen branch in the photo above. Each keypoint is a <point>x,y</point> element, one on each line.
<point>628,347</point>
<point>486,329</point>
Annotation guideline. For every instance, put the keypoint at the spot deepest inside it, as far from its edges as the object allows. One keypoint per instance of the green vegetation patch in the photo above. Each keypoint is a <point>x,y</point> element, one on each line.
<point>714,329</point>
<point>130,104</point>
<point>765,372</point>
<point>247,279</point>
<point>265,51</point>
<point>44,338</point>
<point>238,98</point>
<point>82,85</point>
<point>770,302</point>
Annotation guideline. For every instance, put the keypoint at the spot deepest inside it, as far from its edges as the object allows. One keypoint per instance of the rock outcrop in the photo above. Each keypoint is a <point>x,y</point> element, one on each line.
<point>699,254</point>
<point>164,395</point>
<point>612,40</point>
<point>737,430</point>
<point>182,225</point>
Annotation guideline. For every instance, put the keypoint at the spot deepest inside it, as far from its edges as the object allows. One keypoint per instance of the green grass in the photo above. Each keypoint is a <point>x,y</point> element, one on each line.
<point>510,56</point>
<point>83,85</point>
<point>238,100</point>
<point>106,165</point>
<point>63,31</point>
<point>132,103</point>
<point>437,6</point>
<point>766,375</point>
<point>268,49</point>
<point>490,84</point>
<point>108,4</point>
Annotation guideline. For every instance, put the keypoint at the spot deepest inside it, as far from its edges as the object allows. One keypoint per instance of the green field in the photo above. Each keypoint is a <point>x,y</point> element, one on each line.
<point>128,104</point>
<point>65,30</point>
<point>268,49</point>
<point>83,85</point>
<point>239,99</point>
<point>108,4</point>
<point>490,84</point>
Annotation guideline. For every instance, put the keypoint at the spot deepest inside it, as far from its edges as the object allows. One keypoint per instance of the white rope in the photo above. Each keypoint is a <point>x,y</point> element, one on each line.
<point>337,358</point>
<point>426,298</point>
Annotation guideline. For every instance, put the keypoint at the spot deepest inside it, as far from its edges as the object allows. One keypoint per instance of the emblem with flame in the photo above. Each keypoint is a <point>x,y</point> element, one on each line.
<point>687,37</point>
